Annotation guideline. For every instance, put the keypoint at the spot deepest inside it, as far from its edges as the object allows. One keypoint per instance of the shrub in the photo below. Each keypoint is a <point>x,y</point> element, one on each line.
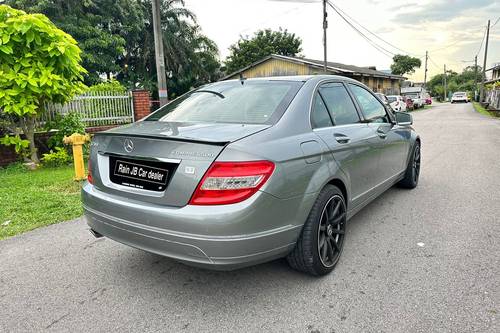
<point>56,159</point>
<point>108,86</point>
<point>65,126</point>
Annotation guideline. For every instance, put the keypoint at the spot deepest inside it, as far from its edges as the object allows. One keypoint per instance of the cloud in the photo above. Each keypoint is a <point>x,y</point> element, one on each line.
<point>440,10</point>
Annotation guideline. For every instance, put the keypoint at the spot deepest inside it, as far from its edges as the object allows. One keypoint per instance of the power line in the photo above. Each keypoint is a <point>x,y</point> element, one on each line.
<point>482,41</point>
<point>498,19</point>
<point>370,32</point>
<point>368,39</point>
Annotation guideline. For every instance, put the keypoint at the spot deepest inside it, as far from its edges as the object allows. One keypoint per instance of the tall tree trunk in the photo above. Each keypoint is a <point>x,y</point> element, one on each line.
<point>28,125</point>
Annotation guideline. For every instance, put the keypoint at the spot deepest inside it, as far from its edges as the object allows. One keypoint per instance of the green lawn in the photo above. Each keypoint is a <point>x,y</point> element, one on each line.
<point>482,110</point>
<point>31,199</point>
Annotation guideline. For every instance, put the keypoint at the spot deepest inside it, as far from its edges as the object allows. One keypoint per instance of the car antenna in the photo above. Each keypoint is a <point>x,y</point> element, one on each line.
<point>242,79</point>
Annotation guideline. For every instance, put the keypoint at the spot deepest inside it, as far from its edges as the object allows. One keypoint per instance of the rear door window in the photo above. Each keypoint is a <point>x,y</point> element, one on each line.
<point>339,104</point>
<point>320,116</point>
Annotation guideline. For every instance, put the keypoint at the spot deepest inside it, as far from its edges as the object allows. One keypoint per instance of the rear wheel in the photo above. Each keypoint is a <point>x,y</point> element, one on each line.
<point>413,169</point>
<point>320,244</point>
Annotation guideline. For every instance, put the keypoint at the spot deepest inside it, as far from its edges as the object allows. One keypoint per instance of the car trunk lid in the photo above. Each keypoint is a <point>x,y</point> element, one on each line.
<point>160,162</point>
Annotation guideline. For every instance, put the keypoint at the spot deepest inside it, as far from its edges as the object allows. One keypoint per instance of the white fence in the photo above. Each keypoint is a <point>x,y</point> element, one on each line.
<point>95,108</point>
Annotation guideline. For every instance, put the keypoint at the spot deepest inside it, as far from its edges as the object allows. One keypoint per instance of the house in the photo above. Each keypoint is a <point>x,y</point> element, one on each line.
<point>278,65</point>
<point>493,95</point>
<point>495,73</point>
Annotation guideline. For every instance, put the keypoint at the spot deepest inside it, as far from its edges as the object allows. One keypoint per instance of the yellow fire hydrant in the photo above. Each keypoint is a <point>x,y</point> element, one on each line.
<point>77,141</point>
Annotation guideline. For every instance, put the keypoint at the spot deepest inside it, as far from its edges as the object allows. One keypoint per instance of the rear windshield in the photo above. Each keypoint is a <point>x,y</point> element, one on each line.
<point>242,102</point>
<point>392,99</point>
<point>459,94</point>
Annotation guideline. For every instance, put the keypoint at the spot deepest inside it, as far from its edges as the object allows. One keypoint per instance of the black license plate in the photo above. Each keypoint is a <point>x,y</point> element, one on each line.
<point>142,174</point>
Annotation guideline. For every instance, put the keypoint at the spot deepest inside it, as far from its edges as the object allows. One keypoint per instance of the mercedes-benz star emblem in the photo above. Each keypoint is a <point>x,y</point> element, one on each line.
<point>128,145</point>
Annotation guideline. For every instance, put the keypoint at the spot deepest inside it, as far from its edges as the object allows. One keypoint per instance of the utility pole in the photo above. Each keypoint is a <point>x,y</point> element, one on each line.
<point>425,73</point>
<point>325,27</point>
<point>445,83</point>
<point>160,58</point>
<point>481,96</point>
<point>475,78</point>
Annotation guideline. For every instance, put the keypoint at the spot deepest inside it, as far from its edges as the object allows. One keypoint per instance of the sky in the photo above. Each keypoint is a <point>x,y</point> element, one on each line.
<point>451,30</point>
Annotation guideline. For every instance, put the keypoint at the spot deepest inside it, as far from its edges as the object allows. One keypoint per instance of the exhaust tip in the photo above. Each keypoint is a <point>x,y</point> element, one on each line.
<point>95,233</point>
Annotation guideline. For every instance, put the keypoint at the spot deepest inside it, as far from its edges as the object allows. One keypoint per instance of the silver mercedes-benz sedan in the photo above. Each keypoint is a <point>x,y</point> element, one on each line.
<point>241,172</point>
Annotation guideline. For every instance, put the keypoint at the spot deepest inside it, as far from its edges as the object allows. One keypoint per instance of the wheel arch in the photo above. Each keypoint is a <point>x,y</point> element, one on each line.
<point>340,184</point>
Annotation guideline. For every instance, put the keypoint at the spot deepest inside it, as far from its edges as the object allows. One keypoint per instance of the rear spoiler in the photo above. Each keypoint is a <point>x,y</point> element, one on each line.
<point>162,137</point>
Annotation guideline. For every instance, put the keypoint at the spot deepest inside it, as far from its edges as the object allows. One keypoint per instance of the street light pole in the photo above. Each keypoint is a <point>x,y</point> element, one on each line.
<point>425,73</point>
<point>159,56</point>
<point>475,78</point>
<point>445,83</point>
<point>325,27</point>
<point>481,96</point>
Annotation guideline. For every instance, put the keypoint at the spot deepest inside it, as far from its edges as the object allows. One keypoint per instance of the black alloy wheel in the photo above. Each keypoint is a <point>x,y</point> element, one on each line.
<point>331,231</point>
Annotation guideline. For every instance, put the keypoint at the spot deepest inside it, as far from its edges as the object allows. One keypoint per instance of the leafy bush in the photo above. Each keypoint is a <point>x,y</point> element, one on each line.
<point>108,86</point>
<point>19,144</point>
<point>65,126</point>
<point>38,62</point>
<point>56,159</point>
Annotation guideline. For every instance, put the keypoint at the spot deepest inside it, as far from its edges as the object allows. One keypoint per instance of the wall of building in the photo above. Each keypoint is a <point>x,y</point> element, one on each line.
<point>278,67</point>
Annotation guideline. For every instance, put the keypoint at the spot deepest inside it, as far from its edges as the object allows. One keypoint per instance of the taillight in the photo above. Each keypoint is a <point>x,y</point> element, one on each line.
<point>231,182</point>
<point>89,173</point>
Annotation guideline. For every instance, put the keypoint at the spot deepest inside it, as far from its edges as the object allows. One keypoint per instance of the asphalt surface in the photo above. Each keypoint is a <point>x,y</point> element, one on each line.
<point>425,260</point>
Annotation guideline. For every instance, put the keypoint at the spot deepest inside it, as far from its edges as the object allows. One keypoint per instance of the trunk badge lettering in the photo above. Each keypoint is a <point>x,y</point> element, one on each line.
<point>189,170</point>
<point>128,145</point>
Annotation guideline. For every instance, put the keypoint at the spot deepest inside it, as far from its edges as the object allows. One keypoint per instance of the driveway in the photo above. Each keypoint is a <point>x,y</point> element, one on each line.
<point>426,260</point>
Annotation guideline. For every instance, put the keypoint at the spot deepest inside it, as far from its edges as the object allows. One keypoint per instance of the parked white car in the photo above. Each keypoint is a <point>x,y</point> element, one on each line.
<point>459,97</point>
<point>397,103</point>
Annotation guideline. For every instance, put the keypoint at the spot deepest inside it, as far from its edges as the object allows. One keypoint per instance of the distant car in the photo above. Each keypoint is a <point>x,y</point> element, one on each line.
<point>459,97</point>
<point>409,103</point>
<point>384,100</point>
<point>397,103</point>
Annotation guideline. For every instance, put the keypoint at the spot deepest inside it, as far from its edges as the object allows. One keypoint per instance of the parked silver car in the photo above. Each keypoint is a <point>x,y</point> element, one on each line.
<point>241,172</point>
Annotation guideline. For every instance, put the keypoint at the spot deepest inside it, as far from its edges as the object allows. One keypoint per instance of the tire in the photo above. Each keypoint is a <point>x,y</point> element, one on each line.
<point>412,173</point>
<point>321,241</point>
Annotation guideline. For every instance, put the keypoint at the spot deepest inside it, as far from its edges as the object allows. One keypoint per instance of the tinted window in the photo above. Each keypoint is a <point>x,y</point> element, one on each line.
<point>320,117</point>
<point>339,104</point>
<point>392,99</point>
<point>372,108</point>
<point>250,102</point>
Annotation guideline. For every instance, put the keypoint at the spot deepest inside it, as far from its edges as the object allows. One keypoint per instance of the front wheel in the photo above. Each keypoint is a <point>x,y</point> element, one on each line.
<point>320,244</point>
<point>412,173</point>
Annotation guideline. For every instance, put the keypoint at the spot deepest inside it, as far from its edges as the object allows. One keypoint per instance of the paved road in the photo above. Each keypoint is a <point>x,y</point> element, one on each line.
<point>60,278</point>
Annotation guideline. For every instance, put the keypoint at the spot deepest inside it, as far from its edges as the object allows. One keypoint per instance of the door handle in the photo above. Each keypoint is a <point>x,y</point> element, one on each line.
<point>341,138</point>
<point>381,133</point>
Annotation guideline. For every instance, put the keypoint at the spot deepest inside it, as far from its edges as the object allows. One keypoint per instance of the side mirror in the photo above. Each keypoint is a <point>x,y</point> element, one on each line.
<point>403,119</point>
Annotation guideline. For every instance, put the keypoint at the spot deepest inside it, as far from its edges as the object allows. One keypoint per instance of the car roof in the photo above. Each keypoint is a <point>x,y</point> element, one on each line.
<point>300,78</point>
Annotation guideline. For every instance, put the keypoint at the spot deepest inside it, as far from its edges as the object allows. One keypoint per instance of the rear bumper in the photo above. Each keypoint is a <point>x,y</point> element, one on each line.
<point>259,229</point>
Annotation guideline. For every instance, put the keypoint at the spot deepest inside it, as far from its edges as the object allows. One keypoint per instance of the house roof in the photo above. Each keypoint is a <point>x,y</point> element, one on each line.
<point>495,66</point>
<point>334,67</point>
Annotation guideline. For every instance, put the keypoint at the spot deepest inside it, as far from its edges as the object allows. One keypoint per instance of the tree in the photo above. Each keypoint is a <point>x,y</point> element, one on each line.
<point>99,26</point>
<point>264,43</point>
<point>38,63</point>
<point>190,57</point>
<point>116,38</point>
<point>403,64</point>
<point>464,81</point>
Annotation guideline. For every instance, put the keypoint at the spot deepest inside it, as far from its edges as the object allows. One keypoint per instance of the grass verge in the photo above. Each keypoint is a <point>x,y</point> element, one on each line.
<point>31,199</point>
<point>479,108</point>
